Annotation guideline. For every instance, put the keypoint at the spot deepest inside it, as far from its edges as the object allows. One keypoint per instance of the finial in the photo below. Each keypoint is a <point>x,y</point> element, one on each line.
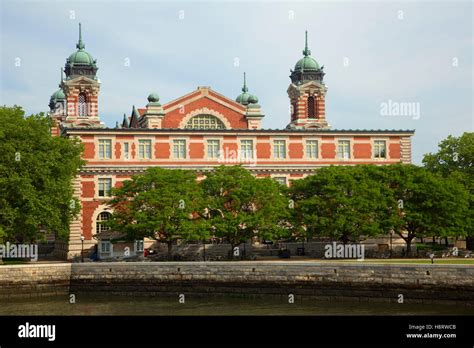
<point>244,88</point>
<point>80,45</point>
<point>306,51</point>
<point>62,78</point>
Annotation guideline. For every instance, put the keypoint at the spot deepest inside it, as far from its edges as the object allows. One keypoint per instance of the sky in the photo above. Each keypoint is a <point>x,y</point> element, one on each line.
<point>375,54</point>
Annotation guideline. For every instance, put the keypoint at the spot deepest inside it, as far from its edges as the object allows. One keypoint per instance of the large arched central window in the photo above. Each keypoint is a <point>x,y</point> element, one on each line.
<point>205,122</point>
<point>82,105</point>
<point>99,226</point>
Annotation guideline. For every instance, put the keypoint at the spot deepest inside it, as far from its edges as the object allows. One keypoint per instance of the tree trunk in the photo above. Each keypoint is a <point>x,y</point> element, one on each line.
<point>344,239</point>
<point>408,240</point>
<point>204,250</point>
<point>446,241</point>
<point>231,251</point>
<point>421,240</point>
<point>170,247</point>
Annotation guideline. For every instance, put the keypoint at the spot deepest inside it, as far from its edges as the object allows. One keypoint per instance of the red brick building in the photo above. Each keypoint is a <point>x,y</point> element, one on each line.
<point>204,129</point>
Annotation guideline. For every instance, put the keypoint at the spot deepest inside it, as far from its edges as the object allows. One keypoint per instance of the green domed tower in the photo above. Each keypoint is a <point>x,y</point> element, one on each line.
<point>245,98</point>
<point>307,93</point>
<point>81,88</point>
<point>307,68</point>
<point>81,63</point>
<point>57,102</point>
<point>253,113</point>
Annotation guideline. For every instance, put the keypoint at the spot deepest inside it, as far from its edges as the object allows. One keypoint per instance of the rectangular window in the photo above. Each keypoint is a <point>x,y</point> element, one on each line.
<point>380,149</point>
<point>279,149</point>
<point>213,148</point>
<point>312,149</point>
<point>246,148</point>
<point>105,184</point>
<point>126,151</point>
<point>144,149</point>
<point>344,149</point>
<point>179,148</point>
<point>280,179</point>
<point>105,149</point>
<point>105,247</point>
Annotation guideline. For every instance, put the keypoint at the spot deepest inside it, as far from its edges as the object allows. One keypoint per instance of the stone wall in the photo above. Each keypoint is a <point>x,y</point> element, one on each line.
<point>323,280</point>
<point>216,252</point>
<point>34,280</point>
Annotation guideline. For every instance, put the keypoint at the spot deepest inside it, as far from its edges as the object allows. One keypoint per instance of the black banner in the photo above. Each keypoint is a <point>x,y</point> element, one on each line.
<point>292,331</point>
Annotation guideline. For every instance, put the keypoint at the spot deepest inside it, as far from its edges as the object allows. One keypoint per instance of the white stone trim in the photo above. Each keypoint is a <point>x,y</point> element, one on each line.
<point>96,185</point>
<point>186,146</point>
<point>387,148</point>
<point>137,147</point>
<point>351,149</point>
<point>206,152</point>
<point>112,147</point>
<point>272,148</point>
<point>305,153</point>
<point>204,111</point>
<point>100,209</point>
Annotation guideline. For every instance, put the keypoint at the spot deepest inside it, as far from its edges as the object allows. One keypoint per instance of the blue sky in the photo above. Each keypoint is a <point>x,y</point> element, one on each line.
<point>373,52</point>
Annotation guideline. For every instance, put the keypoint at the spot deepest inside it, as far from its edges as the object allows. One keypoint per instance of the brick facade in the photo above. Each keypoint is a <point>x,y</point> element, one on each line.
<point>205,129</point>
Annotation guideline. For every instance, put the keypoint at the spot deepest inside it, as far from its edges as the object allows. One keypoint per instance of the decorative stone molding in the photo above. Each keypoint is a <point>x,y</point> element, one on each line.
<point>204,111</point>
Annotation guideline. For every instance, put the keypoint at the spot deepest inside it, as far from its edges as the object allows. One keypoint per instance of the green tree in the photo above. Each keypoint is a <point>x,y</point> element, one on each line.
<point>455,154</point>
<point>161,204</point>
<point>455,158</point>
<point>428,204</point>
<point>341,202</point>
<point>36,174</point>
<point>242,206</point>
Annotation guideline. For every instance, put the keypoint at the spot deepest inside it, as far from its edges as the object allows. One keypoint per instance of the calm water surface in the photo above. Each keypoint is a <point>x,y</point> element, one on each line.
<point>125,305</point>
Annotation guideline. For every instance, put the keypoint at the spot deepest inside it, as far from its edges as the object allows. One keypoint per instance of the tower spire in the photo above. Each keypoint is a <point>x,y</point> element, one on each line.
<point>244,88</point>
<point>80,45</point>
<point>62,77</point>
<point>306,51</point>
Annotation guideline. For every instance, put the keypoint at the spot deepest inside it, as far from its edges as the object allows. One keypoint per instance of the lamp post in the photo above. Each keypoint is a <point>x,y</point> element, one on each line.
<point>82,248</point>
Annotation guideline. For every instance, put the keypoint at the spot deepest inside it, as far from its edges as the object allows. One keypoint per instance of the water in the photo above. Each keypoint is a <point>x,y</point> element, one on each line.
<point>126,305</point>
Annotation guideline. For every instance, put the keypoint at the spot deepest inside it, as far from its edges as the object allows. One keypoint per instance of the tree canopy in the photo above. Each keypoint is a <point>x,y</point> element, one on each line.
<point>161,204</point>
<point>340,202</point>
<point>428,204</point>
<point>36,174</point>
<point>455,159</point>
<point>243,206</point>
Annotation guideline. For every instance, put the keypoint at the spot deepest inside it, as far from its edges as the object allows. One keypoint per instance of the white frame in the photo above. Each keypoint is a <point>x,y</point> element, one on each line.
<point>99,179</point>
<point>373,149</point>
<point>141,141</point>
<point>219,149</point>
<point>173,142</point>
<point>99,140</point>
<point>241,152</point>
<point>350,149</point>
<point>318,143</point>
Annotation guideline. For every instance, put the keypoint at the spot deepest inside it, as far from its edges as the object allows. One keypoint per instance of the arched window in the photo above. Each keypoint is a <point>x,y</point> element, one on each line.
<point>82,105</point>
<point>99,226</point>
<point>205,122</point>
<point>311,107</point>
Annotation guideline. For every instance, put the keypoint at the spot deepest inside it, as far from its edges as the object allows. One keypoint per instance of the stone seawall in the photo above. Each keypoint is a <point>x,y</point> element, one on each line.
<point>323,280</point>
<point>34,280</point>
